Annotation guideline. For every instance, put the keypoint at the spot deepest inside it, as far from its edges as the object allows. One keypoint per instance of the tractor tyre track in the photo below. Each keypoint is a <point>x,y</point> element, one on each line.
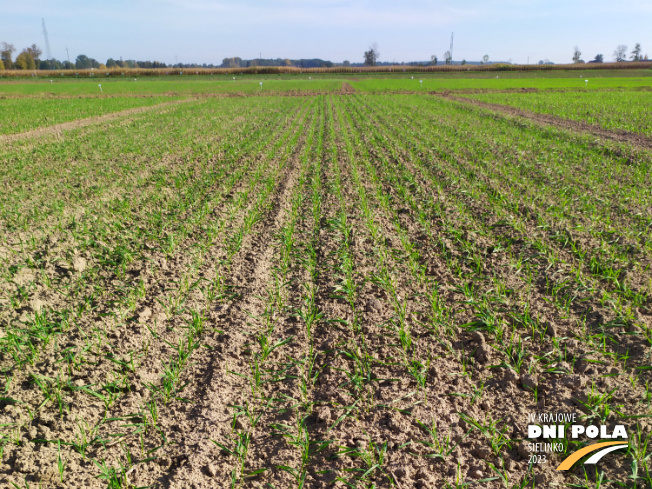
<point>218,382</point>
<point>637,140</point>
<point>80,123</point>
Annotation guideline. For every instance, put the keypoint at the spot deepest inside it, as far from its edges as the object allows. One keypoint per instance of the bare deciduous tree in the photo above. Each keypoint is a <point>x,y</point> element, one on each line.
<point>371,56</point>
<point>620,52</point>
<point>577,55</point>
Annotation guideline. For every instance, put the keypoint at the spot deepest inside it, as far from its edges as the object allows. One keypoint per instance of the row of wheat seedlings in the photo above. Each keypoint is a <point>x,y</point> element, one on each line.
<point>602,399</point>
<point>98,343</point>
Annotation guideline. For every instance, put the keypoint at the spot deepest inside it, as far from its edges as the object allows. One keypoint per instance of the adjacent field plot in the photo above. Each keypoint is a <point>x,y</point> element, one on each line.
<point>175,85</point>
<point>418,83</point>
<point>323,291</point>
<point>621,110</point>
<point>20,115</point>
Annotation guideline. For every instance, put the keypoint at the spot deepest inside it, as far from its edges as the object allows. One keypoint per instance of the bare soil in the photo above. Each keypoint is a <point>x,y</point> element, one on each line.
<point>347,88</point>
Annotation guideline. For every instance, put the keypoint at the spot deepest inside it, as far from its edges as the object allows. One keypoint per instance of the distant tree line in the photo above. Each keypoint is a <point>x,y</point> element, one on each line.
<point>30,59</point>
<point>619,55</point>
<point>237,62</point>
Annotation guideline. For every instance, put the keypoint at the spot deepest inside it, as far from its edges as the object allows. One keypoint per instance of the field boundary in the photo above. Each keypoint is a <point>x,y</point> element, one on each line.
<point>80,123</point>
<point>397,68</point>
<point>638,140</point>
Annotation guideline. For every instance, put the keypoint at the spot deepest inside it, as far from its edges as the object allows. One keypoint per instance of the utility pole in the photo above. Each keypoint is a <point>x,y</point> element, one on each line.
<point>451,48</point>
<point>47,42</point>
<point>68,54</point>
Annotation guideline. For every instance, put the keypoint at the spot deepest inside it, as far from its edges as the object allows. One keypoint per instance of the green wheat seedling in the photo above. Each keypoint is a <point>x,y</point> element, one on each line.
<point>373,455</point>
<point>515,351</point>
<point>52,389</point>
<point>85,437</point>
<point>440,446</point>
<point>419,370</point>
<point>503,475</point>
<point>300,438</point>
<point>26,486</point>
<point>115,478</point>
<point>238,447</point>
<point>598,406</point>
<point>496,436</point>
<point>61,462</point>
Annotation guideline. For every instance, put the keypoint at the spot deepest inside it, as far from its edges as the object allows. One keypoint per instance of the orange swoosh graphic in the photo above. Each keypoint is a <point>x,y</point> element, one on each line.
<point>570,460</point>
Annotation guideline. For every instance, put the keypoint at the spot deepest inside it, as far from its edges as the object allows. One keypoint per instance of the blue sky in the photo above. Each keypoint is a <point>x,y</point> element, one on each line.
<point>206,31</point>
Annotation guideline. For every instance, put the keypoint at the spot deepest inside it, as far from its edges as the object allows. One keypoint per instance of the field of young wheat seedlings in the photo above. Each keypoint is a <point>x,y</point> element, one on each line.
<point>497,81</point>
<point>626,110</point>
<point>359,290</point>
<point>115,85</point>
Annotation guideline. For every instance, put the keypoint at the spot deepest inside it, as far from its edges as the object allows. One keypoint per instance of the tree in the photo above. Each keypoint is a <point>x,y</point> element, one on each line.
<point>620,52</point>
<point>231,62</point>
<point>346,62</point>
<point>577,55</point>
<point>24,61</point>
<point>433,60</point>
<point>371,56</point>
<point>448,57</point>
<point>2,65</point>
<point>5,55</point>
<point>110,63</point>
<point>485,59</point>
<point>463,61</point>
<point>35,52</point>
<point>83,62</point>
<point>50,64</point>
<point>599,58</point>
<point>636,52</point>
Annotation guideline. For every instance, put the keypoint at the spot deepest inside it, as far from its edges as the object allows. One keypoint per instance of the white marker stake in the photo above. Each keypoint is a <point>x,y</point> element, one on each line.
<point>421,83</point>
<point>100,85</point>
<point>586,83</point>
<point>234,78</point>
<point>50,81</point>
<point>261,85</point>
